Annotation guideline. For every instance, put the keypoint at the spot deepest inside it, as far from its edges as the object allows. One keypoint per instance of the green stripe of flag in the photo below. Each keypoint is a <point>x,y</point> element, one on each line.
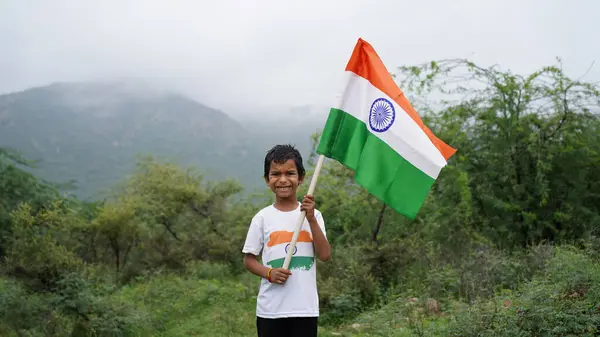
<point>297,262</point>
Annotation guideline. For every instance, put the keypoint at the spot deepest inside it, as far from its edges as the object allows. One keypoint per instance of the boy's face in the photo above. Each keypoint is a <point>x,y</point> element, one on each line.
<point>283,179</point>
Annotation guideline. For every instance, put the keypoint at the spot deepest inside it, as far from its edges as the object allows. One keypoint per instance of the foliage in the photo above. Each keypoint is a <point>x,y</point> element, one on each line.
<point>164,217</point>
<point>37,250</point>
<point>528,148</point>
<point>17,185</point>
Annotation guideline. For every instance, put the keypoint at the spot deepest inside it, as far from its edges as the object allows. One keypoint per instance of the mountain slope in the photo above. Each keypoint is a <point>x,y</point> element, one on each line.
<point>91,133</point>
<point>293,125</point>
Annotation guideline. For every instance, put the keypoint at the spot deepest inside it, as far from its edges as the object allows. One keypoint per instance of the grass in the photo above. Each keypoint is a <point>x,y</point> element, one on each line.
<point>562,299</point>
<point>212,302</point>
<point>171,305</point>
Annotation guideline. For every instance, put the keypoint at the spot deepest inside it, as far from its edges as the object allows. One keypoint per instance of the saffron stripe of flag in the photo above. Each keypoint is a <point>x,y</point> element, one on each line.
<point>279,237</point>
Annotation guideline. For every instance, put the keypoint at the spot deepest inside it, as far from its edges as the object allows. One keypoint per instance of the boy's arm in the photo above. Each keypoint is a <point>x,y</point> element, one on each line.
<point>322,247</point>
<point>320,242</point>
<point>253,246</point>
<point>251,263</point>
<point>278,275</point>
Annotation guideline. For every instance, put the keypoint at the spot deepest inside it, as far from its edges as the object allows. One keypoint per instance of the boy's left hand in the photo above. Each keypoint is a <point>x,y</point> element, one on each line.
<point>308,205</point>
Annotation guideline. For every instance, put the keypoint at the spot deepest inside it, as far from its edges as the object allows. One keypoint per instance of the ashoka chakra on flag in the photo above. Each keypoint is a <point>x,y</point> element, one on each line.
<point>382,115</point>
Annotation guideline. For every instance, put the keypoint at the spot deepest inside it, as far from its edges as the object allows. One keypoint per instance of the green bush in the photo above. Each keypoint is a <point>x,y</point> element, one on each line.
<point>563,300</point>
<point>37,253</point>
<point>28,314</point>
<point>206,270</point>
<point>346,284</point>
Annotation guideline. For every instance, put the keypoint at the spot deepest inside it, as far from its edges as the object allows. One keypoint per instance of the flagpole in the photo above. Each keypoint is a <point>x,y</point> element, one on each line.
<point>311,189</point>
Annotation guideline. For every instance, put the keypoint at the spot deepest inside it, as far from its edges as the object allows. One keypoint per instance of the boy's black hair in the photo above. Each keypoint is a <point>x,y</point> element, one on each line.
<point>279,154</point>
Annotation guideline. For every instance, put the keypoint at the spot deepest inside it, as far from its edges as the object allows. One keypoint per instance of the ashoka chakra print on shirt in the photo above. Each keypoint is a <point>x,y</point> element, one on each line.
<point>287,248</point>
<point>382,115</point>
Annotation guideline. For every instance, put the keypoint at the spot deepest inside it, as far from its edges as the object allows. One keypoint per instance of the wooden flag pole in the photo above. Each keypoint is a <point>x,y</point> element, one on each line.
<point>311,190</point>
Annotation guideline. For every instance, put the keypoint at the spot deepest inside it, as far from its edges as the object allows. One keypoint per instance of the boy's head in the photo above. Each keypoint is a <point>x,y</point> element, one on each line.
<point>283,170</point>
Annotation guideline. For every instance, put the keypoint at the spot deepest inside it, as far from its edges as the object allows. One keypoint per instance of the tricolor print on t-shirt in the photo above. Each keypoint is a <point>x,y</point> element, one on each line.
<point>279,243</point>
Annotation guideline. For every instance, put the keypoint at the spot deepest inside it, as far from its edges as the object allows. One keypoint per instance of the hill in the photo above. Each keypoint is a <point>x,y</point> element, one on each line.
<point>90,134</point>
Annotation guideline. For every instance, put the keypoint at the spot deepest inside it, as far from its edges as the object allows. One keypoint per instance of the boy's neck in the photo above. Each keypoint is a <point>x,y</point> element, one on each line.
<point>287,204</point>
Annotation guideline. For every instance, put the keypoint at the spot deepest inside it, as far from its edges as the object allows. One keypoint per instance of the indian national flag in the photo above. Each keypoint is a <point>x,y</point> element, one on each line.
<point>376,132</point>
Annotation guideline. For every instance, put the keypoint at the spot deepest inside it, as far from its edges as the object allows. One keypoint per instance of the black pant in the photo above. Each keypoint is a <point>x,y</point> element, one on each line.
<point>281,327</point>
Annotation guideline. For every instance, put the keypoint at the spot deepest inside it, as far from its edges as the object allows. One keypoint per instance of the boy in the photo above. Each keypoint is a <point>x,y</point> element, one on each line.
<point>287,303</point>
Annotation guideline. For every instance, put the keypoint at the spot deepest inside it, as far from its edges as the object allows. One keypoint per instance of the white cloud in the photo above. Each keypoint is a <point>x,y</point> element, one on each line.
<point>232,54</point>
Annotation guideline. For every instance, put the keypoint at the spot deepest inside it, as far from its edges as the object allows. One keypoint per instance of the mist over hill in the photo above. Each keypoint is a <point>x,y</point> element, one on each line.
<point>91,133</point>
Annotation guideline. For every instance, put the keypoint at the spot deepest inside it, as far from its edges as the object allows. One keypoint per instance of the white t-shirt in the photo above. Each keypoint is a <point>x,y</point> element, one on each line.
<point>270,232</point>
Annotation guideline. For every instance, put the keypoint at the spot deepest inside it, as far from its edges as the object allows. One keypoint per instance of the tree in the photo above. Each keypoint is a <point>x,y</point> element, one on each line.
<point>18,186</point>
<point>528,149</point>
<point>38,252</point>
<point>163,216</point>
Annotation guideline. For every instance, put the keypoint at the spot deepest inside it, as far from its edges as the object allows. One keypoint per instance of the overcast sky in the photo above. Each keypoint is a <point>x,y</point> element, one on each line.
<point>232,54</point>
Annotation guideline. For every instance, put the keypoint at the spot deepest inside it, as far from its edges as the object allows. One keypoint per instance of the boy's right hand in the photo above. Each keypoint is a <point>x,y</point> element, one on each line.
<point>279,275</point>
